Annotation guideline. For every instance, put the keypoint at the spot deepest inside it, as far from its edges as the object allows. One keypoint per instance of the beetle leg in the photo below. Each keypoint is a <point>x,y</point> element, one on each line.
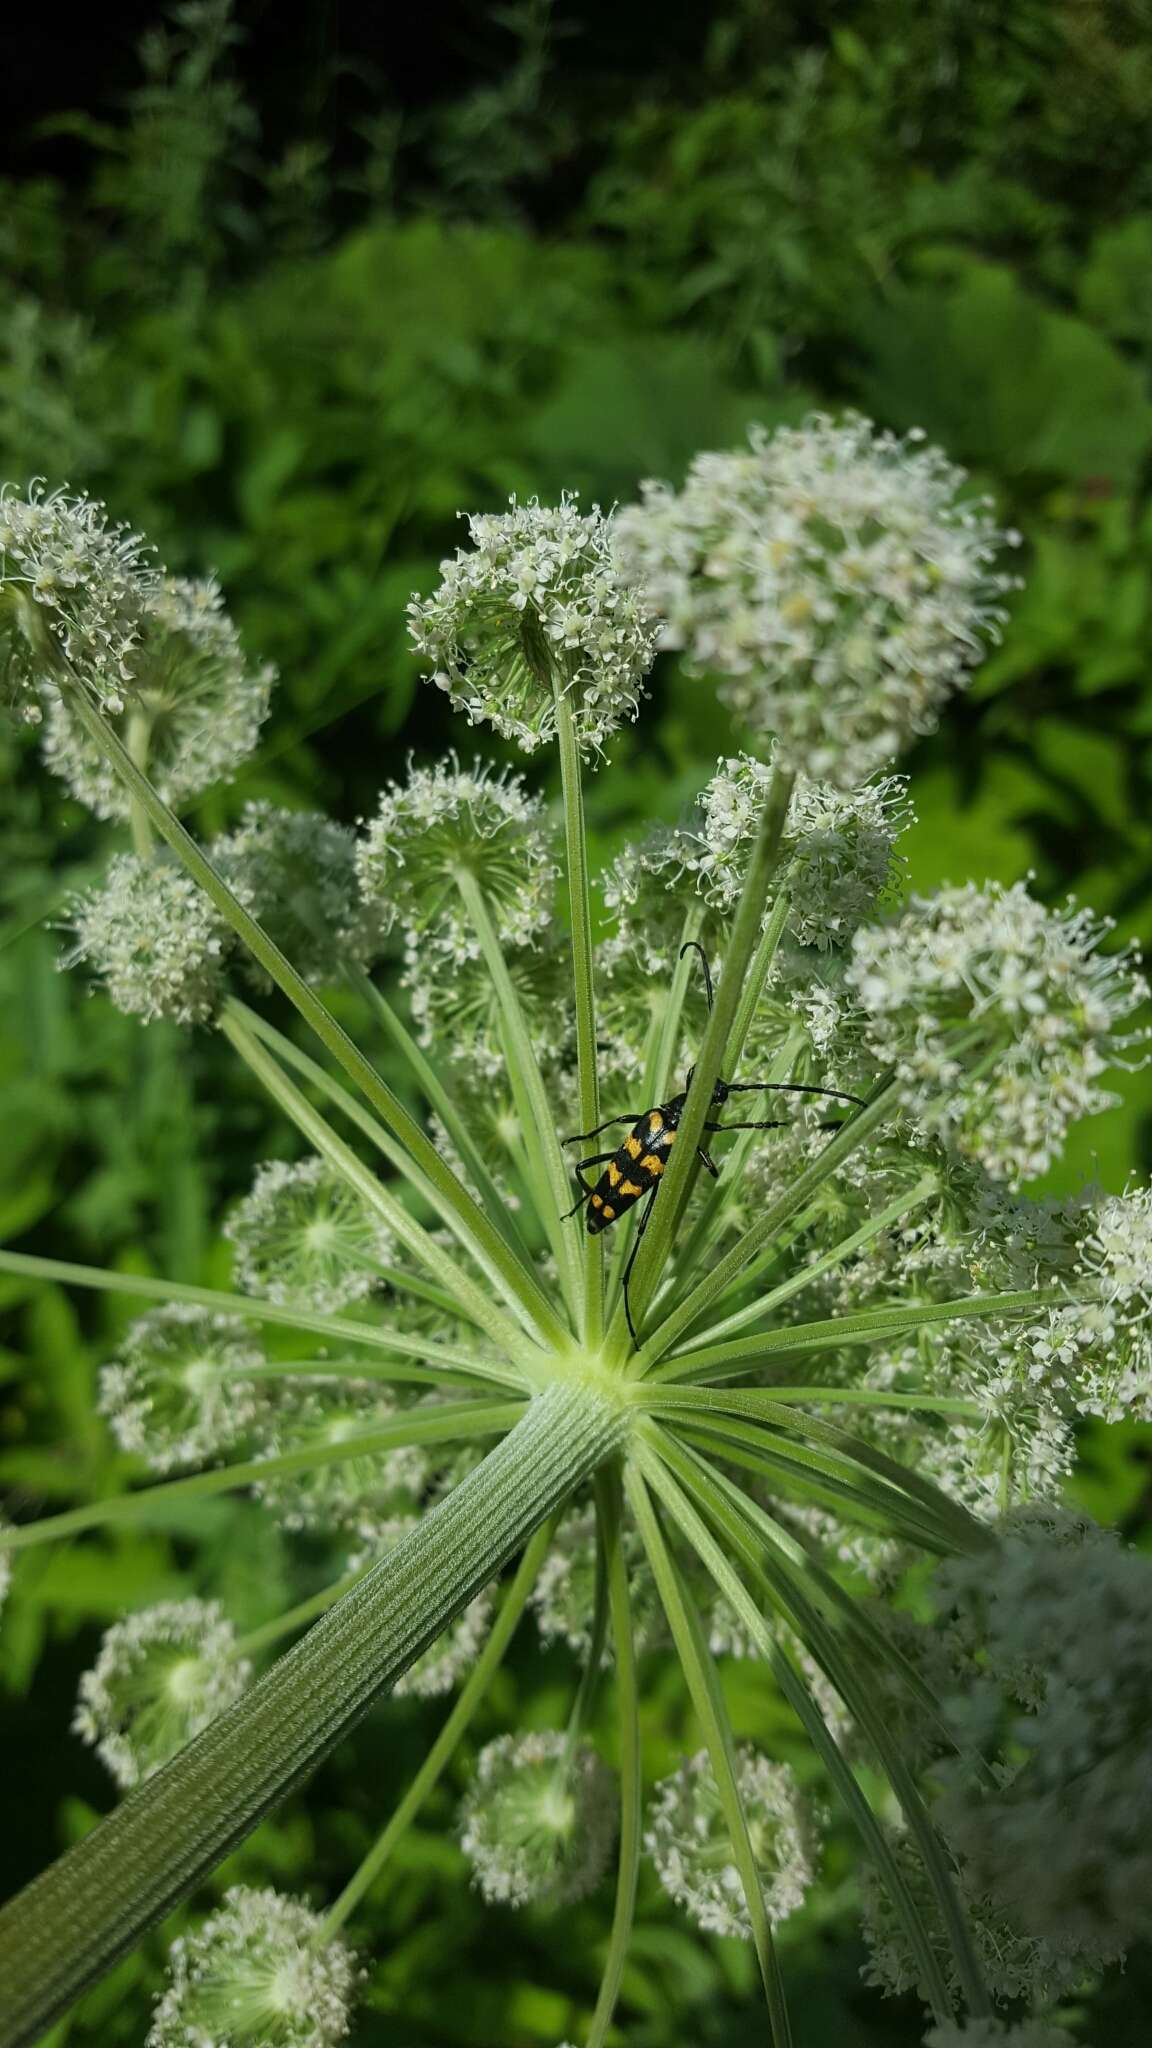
<point>597,1159</point>
<point>632,1261</point>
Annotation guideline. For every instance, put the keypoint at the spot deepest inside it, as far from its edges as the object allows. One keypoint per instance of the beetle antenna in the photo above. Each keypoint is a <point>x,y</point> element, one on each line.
<point>694,946</point>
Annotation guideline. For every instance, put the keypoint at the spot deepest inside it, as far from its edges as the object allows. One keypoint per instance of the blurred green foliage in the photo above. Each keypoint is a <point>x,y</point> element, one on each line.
<point>295,369</point>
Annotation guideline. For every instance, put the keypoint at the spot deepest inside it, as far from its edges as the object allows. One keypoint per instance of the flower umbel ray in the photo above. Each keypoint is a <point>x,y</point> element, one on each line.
<point>843,1339</point>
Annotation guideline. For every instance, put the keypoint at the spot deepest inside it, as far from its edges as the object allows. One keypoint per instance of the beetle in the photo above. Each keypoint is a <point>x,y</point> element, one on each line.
<point>635,1168</point>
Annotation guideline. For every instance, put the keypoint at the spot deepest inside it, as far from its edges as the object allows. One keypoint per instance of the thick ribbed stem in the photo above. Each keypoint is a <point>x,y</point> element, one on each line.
<point>70,1925</point>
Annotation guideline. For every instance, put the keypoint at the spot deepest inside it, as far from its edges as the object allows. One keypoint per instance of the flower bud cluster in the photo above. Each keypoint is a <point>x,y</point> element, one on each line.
<point>192,711</point>
<point>537,608</point>
<point>74,591</point>
<point>154,939</point>
<point>180,1391</point>
<point>445,822</point>
<point>687,1839</point>
<point>256,1975</point>
<point>838,856</point>
<point>304,1239</point>
<point>538,1822</point>
<point>160,1677</point>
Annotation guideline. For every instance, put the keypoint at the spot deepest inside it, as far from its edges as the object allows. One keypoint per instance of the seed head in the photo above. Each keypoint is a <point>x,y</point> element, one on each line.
<point>538,605</point>
<point>72,589</point>
<point>189,693</point>
<point>538,1829</point>
<point>832,575</point>
<point>255,1976</point>
<point>305,1239</point>
<point>443,822</point>
<point>160,1677</point>
<point>687,1839</point>
<point>178,1394</point>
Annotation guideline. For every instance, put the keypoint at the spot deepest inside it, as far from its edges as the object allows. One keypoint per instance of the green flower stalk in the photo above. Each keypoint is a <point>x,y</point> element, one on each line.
<point>860,1341</point>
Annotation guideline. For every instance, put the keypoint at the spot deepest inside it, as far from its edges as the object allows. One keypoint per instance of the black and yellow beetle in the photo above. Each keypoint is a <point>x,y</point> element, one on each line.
<point>636,1167</point>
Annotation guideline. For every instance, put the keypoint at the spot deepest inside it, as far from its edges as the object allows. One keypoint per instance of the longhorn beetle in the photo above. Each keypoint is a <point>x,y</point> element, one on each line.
<point>635,1169</point>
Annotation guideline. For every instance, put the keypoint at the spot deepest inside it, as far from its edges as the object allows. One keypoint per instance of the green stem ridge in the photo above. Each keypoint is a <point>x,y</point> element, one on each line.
<point>310,1006</point>
<point>742,945</point>
<point>96,1901</point>
<point>440,1755</point>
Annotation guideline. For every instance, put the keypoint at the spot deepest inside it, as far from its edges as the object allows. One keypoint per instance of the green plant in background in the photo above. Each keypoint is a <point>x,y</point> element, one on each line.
<point>853,1342</point>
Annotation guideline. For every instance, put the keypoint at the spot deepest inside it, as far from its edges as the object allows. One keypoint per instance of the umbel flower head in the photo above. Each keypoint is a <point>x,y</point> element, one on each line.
<point>538,607</point>
<point>537,1824</point>
<point>255,1975</point>
<point>297,869</point>
<point>449,822</point>
<point>160,1677</point>
<point>305,1239</point>
<point>688,1841</point>
<point>999,1016</point>
<point>179,1393</point>
<point>153,939</point>
<point>193,706</point>
<point>838,856</point>
<point>73,590</point>
<point>833,576</point>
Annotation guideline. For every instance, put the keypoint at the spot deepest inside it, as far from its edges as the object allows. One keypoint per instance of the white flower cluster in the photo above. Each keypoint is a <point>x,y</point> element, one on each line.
<point>180,1393</point>
<point>304,1239</point>
<point>448,821</point>
<point>687,1839</point>
<point>297,871</point>
<point>72,589</point>
<point>255,1975</point>
<point>160,1677</point>
<point>537,1825</point>
<point>999,1017</point>
<point>838,856</point>
<point>154,939</point>
<point>190,697</point>
<point>538,605</point>
<point>1060,1619</point>
<point>833,576</point>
